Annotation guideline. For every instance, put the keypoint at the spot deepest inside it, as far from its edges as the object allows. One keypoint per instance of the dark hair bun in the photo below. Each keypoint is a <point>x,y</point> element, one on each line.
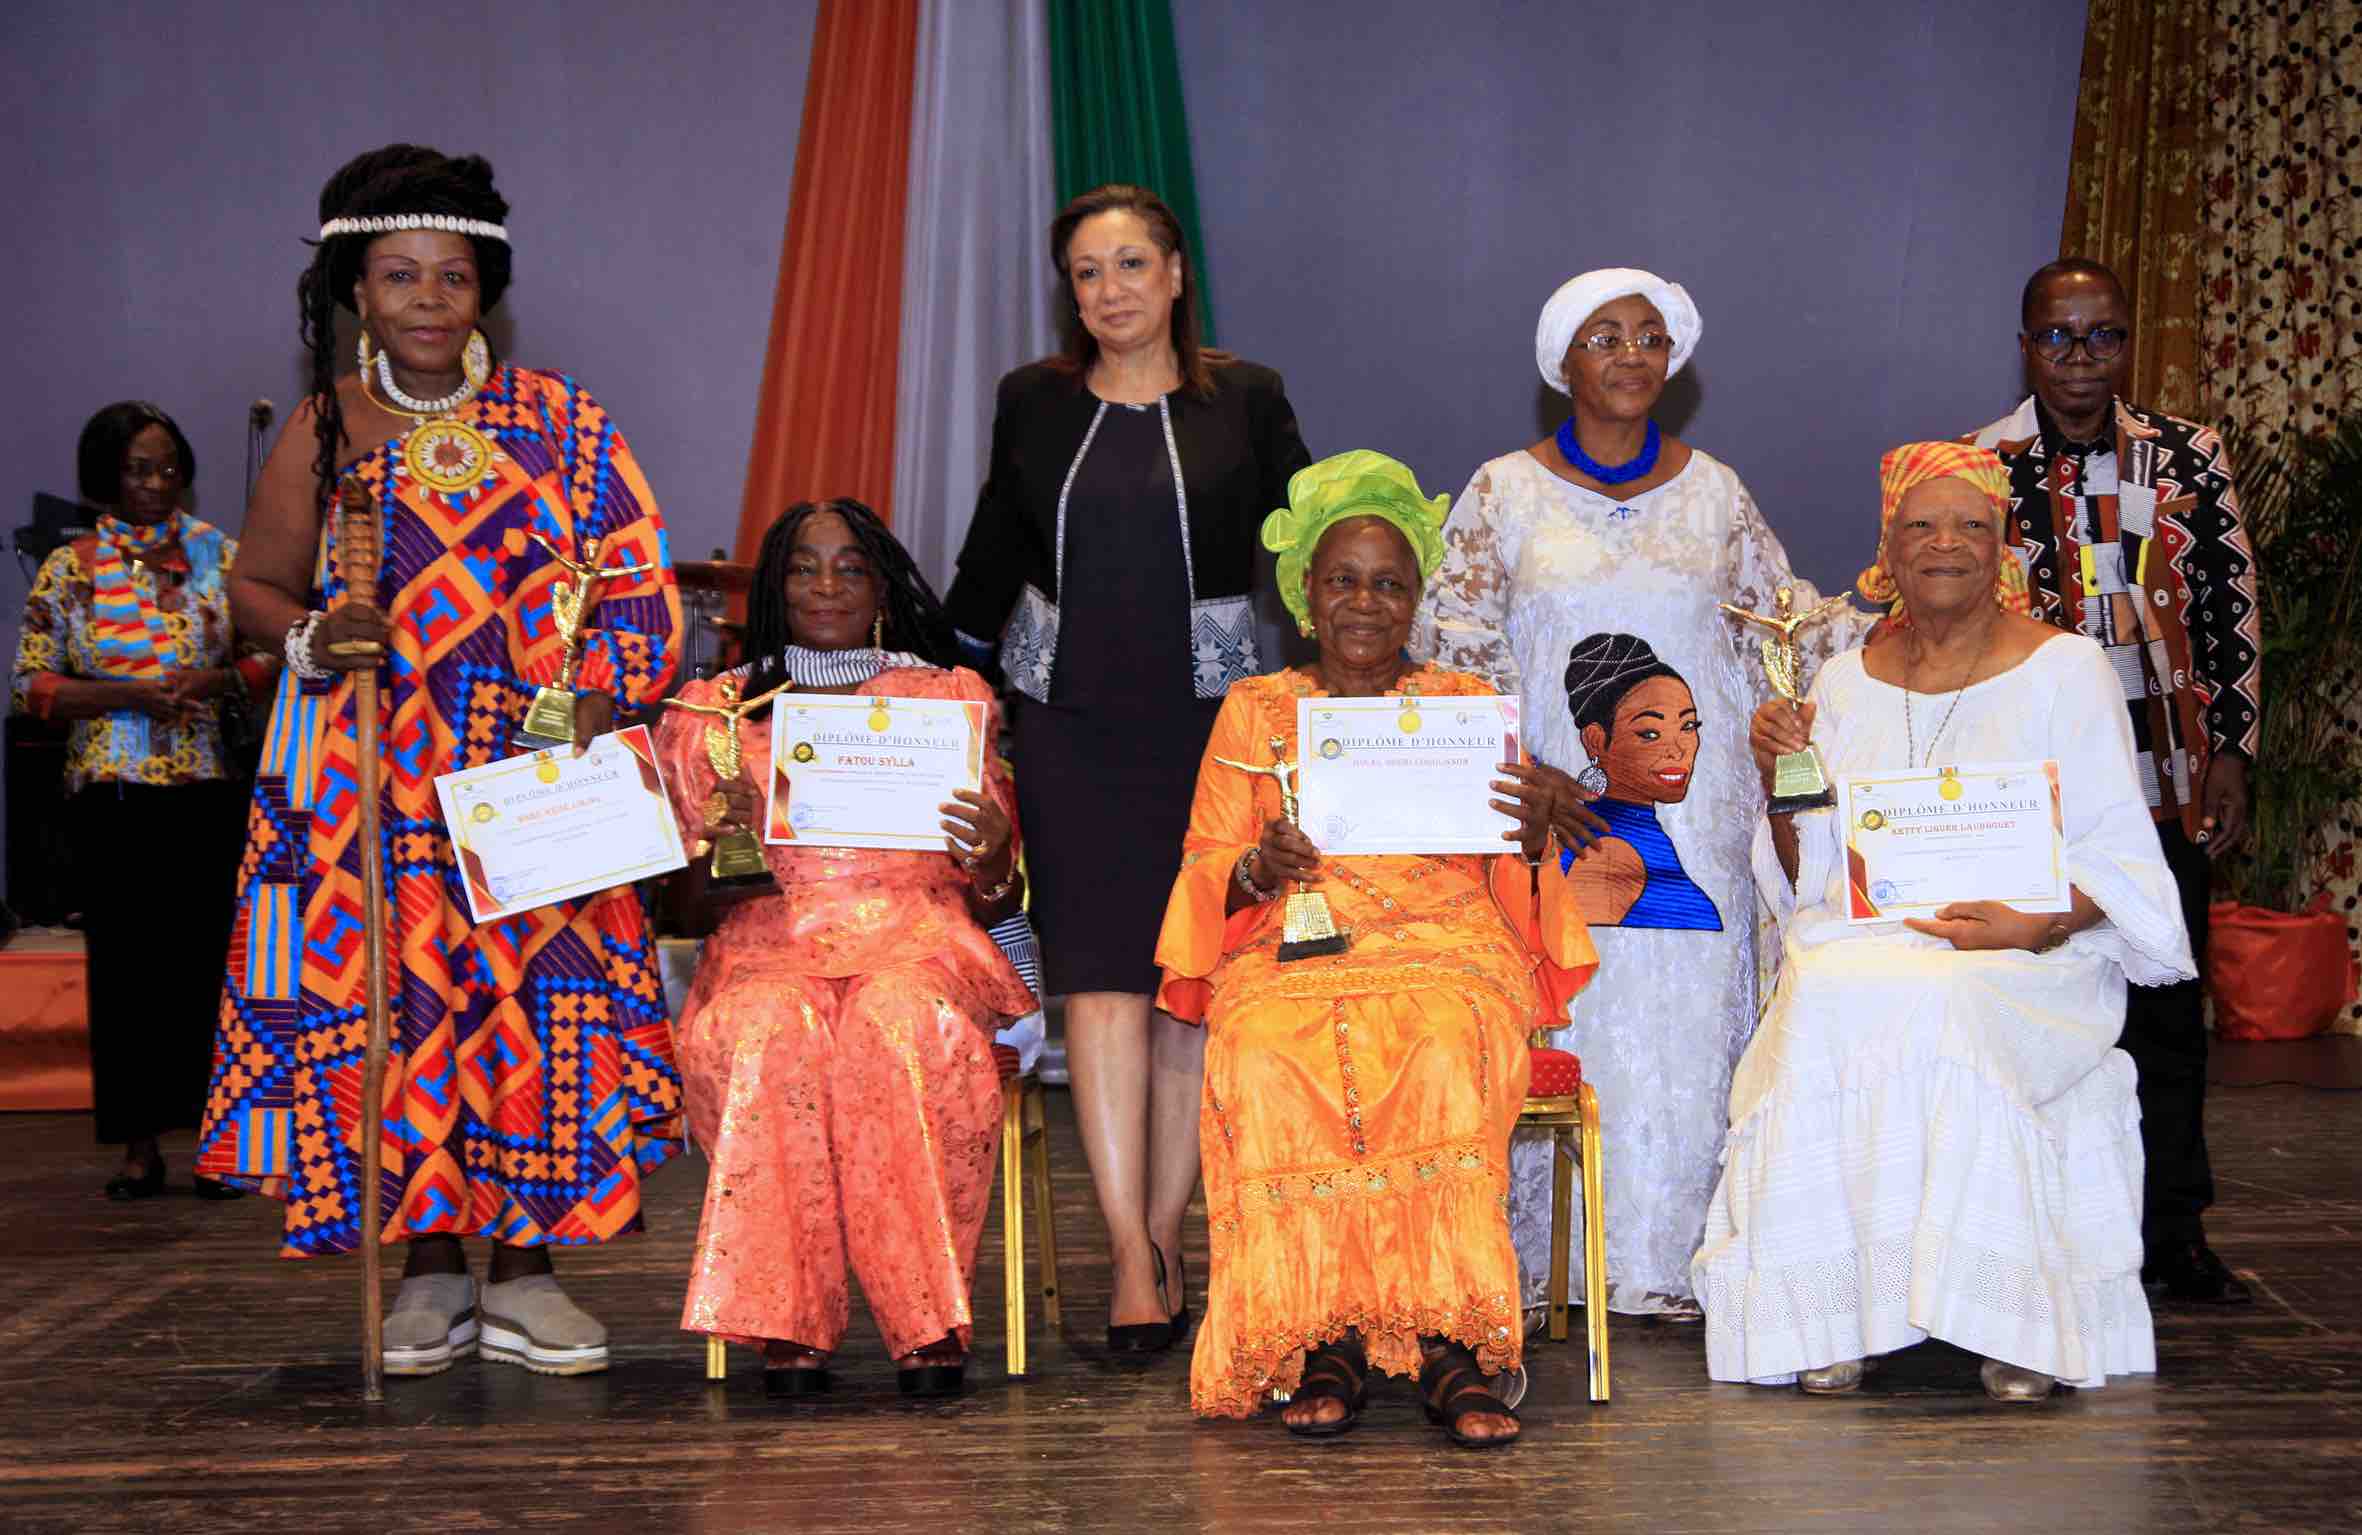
<point>1601,669</point>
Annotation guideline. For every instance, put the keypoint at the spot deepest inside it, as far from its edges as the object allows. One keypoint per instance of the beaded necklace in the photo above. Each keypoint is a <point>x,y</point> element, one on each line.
<point>1610,474</point>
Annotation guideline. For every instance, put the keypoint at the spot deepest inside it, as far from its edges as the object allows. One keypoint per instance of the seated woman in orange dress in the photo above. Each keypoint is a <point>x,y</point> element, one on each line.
<point>837,1045</point>
<point>1358,1106</point>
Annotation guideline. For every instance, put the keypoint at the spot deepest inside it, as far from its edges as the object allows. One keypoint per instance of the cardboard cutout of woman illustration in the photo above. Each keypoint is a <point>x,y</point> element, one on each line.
<point>1638,721</point>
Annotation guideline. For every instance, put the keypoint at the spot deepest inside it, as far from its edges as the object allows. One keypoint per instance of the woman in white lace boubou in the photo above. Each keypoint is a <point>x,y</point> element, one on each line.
<point>1584,573</point>
<point>1932,1134</point>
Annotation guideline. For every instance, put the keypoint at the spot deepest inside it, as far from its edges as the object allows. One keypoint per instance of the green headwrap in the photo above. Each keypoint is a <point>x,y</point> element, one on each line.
<point>1361,483</point>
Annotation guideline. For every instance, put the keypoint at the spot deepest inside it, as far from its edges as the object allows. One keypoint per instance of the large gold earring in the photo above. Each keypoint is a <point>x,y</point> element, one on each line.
<point>363,346</point>
<point>877,632</point>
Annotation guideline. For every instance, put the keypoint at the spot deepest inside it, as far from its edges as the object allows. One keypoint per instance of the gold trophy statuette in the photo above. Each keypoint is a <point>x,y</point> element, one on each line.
<point>1309,928</point>
<point>549,720</point>
<point>737,852</point>
<point>1800,780</point>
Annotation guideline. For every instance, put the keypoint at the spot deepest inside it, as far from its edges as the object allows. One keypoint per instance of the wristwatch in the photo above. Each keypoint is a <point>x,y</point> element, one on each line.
<point>2052,936</point>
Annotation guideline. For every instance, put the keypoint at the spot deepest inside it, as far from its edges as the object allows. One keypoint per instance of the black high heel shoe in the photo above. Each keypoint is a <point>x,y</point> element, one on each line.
<point>1183,1318</point>
<point>123,1187</point>
<point>1144,1337</point>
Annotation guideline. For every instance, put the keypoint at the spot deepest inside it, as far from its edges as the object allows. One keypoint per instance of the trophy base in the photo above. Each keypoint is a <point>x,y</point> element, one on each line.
<point>1800,781</point>
<point>737,858</point>
<point>549,719</point>
<point>1310,929</point>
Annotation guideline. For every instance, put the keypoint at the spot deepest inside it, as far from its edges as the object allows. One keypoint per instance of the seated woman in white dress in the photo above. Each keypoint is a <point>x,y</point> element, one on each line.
<point>1933,1133</point>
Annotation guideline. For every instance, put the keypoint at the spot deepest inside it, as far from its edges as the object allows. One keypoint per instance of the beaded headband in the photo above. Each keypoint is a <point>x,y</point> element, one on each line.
<point>394,223</point>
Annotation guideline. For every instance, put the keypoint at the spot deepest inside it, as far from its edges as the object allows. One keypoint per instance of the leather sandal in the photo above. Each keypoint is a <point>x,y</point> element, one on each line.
<point>792,1380</point>
<point>934,1375</point>
<point>1336,1371</point>
<point>1453,1389</point>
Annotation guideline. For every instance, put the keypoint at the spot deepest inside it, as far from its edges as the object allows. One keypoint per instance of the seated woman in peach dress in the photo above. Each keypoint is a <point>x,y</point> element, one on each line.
<point>837,1045</point>
<point>1358,1105</point>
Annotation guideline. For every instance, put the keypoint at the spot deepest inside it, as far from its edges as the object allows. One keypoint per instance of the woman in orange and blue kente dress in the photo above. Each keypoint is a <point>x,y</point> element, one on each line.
<point>530,1086</point>
<point>1358,1105</point>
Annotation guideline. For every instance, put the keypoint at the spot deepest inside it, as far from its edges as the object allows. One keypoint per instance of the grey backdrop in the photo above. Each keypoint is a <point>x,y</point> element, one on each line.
<point>168,164</point>
<point>1852,192</point>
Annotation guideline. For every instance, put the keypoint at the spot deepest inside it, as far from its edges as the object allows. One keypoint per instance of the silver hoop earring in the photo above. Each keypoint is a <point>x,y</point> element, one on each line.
<point>1591,783</point>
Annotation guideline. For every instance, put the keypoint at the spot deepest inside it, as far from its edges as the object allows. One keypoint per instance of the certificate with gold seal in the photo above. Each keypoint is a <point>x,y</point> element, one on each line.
<point>1921,839</point>
<point>1404,774</point>
<point>549,826</point>
<point>866,770</point>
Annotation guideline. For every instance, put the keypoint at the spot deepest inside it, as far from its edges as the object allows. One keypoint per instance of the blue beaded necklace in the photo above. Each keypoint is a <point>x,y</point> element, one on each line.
<point>1609,474</point>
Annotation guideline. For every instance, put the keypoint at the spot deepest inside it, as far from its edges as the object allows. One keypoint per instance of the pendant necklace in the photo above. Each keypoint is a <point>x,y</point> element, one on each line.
<point>440,451</point>
<point>1910,740</point>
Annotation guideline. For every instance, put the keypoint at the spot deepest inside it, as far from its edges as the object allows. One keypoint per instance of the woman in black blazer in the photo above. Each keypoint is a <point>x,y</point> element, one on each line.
<point>1112,552</point>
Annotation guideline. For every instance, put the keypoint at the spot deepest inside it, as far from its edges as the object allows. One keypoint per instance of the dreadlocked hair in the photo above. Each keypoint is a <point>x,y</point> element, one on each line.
<point>400,178</point>
<point>914,615</point>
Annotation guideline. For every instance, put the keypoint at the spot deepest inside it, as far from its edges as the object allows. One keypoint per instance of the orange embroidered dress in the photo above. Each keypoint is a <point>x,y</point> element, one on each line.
<point>1358,1106</point>
<point>836,1049</point>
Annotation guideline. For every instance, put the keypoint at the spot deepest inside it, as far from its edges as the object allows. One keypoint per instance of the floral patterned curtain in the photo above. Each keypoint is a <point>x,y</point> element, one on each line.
<point>2281,318</point>
<point>2218,144</point>
<point>2281,321</point>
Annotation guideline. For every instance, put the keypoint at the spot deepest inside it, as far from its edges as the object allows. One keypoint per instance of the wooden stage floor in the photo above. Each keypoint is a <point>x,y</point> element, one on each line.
<point>161,1370</point>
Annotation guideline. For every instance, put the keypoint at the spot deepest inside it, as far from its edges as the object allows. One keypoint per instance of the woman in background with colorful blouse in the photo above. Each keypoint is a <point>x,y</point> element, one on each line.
<point>127,634</point>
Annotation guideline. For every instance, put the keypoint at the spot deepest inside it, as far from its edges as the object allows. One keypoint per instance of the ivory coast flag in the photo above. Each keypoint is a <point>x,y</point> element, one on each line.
<point>939,138</point>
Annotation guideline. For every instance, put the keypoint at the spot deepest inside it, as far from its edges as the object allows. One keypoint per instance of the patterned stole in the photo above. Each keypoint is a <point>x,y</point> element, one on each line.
<point>128,634</point>
<point>841,668</point>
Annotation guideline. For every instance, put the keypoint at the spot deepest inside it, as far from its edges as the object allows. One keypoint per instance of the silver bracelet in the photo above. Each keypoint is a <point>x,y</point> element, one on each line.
<point>299,647</point>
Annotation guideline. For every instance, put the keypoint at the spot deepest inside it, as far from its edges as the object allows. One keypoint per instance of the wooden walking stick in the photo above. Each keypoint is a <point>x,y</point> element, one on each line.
<point>357,559</point>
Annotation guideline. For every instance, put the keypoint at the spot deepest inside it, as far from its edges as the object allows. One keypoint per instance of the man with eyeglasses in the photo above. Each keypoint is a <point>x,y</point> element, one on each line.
<point>2128,521</point>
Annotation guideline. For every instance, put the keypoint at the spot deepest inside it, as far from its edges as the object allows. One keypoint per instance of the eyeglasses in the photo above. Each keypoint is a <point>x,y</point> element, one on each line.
<point>2099,343</point>
<point>142,469</point>
<point>1607,343</point>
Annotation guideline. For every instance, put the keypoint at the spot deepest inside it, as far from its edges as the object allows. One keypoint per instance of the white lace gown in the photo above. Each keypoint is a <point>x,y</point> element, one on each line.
<point>1532,566</point>
<point>1926,1141</point>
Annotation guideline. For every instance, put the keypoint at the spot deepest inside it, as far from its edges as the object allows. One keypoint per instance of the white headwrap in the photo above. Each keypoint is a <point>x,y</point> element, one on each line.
<point>1578,297</point>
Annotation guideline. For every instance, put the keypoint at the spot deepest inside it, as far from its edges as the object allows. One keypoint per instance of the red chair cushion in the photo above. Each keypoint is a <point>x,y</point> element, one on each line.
<point>1556,1074</point>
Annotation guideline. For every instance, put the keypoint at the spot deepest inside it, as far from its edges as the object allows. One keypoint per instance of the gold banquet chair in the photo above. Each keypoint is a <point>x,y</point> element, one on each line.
<point>1560,1101</point>
<point>1025,1159</point>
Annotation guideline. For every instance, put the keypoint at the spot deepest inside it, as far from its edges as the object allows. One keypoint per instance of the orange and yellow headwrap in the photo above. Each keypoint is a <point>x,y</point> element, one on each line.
<point>1915,463</point>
